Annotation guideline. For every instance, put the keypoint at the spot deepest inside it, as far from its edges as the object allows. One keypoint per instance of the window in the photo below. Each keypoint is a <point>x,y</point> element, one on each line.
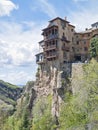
<point>41,57</point>
<point>64,62</point>
<point>77,42</point>
<point>72,30</point>
<point>52,31</point>
<point>56,31</point>
<point>56,42</point>
<point>85,48</point>
<point>88,34</point>
<point>64,55</point>
<point>73,49</point>
<point>77,36</point>
<point>63,24</point>
<point>72,39</point>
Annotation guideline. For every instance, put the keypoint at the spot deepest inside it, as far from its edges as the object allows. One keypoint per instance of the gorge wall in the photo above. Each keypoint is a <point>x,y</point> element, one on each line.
<point>56,83</point>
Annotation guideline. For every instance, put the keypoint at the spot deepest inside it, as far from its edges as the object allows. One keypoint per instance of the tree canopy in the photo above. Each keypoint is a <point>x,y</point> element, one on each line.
<point>94,47</point>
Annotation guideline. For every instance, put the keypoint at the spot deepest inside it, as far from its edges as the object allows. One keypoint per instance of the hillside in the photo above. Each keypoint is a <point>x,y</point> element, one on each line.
<point>9,93</point>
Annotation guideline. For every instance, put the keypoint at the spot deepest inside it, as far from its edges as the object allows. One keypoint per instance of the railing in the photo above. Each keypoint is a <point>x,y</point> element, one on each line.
<point>39,61</point>
<point>53,55</point>
<point>53,36</point>
<point>50,47</point>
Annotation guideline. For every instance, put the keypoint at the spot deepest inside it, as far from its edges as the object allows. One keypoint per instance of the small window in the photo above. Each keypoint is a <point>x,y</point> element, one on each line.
<point>41,58</point>
<point>88,34</point>
<point>63,24</point>
<point>72,39</point>
<point>77,36</point>
<point>77,42</point>
<point>52,31</point>
<point>72,30</point>
<point>85,48</point>
<point>64,62</point>
<point>73,49</point>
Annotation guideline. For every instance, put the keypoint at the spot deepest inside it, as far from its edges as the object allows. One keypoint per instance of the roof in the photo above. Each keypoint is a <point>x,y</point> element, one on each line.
<point>41,41</point>
<point>39,53</point>
<point>86,31</point>
<point>49,27</point>
<point>94,24</point>
<point>71,25</point>
<point>59,19</point>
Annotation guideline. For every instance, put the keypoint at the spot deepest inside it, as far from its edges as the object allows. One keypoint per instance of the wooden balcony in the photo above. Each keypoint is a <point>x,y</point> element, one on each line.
<point>40,61</point>
<point>52,47</point>
<point>40,58</point>
<point>50,56</point>
<point>50,37</point>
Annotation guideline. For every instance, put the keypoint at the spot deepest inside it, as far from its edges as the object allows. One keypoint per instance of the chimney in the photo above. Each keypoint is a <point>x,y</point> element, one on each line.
<point>65,18</point>
<point>86,29</point>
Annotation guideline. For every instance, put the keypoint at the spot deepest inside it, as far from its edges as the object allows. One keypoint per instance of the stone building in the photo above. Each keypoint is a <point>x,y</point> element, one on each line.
<point>61,44</point>
<point>57,43</point>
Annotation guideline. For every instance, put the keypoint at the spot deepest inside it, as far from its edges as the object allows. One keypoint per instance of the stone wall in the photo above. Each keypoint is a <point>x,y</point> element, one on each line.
<point>76,77</point>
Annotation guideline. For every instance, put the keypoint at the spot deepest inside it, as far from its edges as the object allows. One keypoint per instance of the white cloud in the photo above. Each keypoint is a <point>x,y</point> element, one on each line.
<point>18,46</point>
<point>84,17</point>
<point>46,7</point>
<point>6,6</point>
<point>18,78</point>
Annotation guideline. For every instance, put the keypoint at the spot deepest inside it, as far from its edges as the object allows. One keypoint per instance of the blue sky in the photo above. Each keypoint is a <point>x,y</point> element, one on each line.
<point>21,22</point>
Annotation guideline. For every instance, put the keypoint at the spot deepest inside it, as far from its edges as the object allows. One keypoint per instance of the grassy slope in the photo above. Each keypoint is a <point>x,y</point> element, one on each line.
<point>6,92</point>
<point>9,85</point>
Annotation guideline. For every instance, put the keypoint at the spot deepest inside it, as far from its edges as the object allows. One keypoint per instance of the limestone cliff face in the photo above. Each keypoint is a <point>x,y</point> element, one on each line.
<point>48,84</point>
<point>54,82</point>
<point>28,97</point>
<point>57,82</point>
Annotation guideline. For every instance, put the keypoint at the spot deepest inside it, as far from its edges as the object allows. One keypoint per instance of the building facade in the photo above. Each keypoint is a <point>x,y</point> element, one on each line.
<point>62,44</point>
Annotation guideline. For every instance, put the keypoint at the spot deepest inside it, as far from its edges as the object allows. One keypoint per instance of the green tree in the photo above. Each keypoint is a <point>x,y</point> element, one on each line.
<point>42,118</point>
<point>94,47</point>
<point>81,110</point>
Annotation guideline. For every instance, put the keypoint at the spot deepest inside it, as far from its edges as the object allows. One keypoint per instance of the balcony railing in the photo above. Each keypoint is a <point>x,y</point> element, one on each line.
<point>53,55</point>
<point>40,61</point>
<point>53,36</point>
<point>50,47</point>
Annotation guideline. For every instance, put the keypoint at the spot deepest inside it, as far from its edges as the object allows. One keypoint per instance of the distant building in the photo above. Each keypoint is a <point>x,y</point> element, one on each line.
<point>62,44</point>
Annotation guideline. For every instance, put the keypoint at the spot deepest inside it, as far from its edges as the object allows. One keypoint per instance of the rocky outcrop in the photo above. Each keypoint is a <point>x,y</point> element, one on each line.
<point>54,82</point>
<point>26,101</point>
